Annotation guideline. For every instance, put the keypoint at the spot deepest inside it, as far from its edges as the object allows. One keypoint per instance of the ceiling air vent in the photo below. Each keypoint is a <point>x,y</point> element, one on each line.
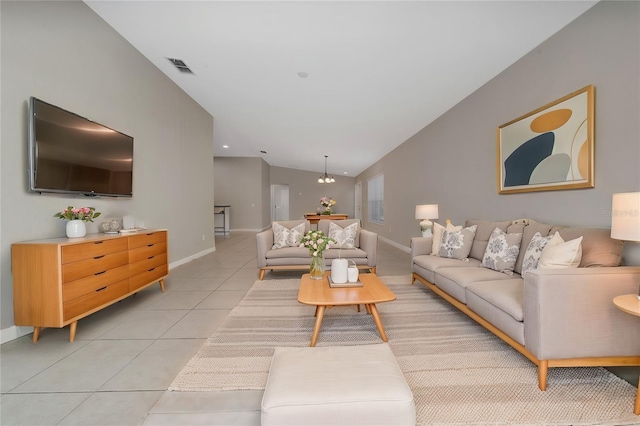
<point>180,65</point>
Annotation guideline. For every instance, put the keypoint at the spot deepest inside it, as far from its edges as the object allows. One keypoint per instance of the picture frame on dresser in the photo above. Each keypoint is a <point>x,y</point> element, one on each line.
<point>550,148</point>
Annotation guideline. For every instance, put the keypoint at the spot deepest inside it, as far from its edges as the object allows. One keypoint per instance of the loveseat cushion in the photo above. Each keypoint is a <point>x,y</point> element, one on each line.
<point>287,237</point>
<point>289,252</point>
<point>336,253</point>
<point>501,303</point>
<point>598,248</point>
<point>483,233</point>
<point>455,280</point>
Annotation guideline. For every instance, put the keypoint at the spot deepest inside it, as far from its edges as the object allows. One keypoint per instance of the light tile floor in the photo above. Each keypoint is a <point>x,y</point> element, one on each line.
<point>126,356</point>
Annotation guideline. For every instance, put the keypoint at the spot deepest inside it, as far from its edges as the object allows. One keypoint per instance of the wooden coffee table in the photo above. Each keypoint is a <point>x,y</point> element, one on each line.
<point>319,294</point>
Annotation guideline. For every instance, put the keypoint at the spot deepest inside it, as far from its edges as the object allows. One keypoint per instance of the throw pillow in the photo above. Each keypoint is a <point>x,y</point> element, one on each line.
<point>561,254</point>
<point>533,252</point>
<point>502,251</point>
<point>438,233</point>
<point>457,244</point>
<point>345,237</point>
<point>285,237</point>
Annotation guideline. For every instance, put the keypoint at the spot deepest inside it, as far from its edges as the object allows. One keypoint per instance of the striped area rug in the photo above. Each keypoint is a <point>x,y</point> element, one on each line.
<point>459,372</point>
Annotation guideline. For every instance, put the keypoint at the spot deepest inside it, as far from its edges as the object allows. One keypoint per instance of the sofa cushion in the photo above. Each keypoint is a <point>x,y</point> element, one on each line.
<point>501,303</point>
<point>533,252</point>
<point>285,237</point>
<point>323,225</point>
<point>560,254</point>
<point>427,265</point>
<point>528,233</point>
<point>598,248</point>
<point>457,244</point>
<point>289,252</point>
<point>455,280</point>
<point>336,253</point>
<point>483,233</point>
<point>502,251</point>
<point>344,237</point>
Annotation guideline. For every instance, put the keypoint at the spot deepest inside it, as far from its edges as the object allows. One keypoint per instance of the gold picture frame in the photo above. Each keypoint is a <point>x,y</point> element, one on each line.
<point>549,149</point>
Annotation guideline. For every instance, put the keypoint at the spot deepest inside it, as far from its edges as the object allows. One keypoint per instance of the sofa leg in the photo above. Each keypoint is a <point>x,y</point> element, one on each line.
<point>373,270</point>
<point>262,271</point>
<point>543,369</point>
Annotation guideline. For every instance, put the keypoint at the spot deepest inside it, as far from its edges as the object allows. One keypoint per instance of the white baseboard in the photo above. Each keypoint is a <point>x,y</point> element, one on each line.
<point>396,245</point>
<point>15,332</point>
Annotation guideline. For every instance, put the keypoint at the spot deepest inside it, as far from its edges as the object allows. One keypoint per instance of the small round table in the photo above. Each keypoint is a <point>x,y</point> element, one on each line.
<point>630,304</point>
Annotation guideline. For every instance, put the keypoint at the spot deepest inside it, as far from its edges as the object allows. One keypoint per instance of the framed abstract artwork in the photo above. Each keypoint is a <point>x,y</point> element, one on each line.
<point>550,148</point>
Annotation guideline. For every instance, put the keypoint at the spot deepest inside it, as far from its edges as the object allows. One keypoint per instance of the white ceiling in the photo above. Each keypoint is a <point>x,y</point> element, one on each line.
<point>378,71</point>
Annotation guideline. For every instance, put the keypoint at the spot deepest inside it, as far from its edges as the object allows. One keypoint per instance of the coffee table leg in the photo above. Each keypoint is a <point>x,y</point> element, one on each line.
<point>316,328</point>
<point>376,318</point>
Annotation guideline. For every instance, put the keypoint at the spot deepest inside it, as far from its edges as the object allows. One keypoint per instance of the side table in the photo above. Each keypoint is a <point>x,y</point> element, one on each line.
<point>630,304</point>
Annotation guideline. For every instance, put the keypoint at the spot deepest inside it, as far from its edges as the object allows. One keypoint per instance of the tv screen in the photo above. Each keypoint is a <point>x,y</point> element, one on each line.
<point>71,154</point>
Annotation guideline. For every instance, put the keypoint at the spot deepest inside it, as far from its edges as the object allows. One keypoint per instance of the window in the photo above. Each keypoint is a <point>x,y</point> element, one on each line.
<point>375,195</point>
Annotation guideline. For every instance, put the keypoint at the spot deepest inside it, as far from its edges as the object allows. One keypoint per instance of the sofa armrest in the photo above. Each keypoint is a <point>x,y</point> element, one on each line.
<point>569,313</point>
<point>369,243</point>
<point>420,246</point>
<point>264,240</point>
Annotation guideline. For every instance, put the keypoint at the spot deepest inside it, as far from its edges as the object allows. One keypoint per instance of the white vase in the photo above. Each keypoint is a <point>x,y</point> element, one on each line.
<point>76,228</point>
<point>339,270</point>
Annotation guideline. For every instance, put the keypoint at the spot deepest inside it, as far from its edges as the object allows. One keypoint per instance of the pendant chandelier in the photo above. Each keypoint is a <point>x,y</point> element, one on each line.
<point>326,178</point>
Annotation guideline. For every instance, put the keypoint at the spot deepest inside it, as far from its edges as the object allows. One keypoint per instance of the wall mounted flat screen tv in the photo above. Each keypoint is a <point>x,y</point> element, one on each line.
<point>71,154</point>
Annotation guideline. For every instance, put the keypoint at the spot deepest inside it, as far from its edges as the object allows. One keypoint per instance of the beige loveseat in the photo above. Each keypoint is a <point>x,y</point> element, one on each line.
<point>298,258</point>
<point>554,317</point>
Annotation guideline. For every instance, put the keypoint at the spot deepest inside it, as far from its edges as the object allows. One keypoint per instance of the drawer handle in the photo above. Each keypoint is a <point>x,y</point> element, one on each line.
<point>99,257</point>
<point>98,242</point>
<point>150,233</point>
<point>99,273</point>
<point>149,245</point>
<point>100,289</point>
<point>151,269</point>
<point>150,257</point>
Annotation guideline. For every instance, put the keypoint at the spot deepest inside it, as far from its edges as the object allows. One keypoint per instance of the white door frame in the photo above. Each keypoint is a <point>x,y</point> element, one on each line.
<point>274,207</point>
<point>358,200</point>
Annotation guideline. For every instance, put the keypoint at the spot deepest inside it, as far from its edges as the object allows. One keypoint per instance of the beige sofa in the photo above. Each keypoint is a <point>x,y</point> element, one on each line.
<point>554,317</point>
<point>298,258</point>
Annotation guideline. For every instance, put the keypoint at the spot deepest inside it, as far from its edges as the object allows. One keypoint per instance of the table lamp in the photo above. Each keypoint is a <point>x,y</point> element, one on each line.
<point>425,212</point>
<point>625,218</point>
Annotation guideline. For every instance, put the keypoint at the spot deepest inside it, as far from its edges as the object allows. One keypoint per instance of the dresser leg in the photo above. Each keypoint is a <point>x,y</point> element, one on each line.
<point>36,334</point>
<point>72,331</point>
<point>162,285</point>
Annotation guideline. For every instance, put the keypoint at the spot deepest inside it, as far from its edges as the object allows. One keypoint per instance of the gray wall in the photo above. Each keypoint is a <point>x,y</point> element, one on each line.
<point>305,192</point>
<point>452,162</point>
<point>63,53</point>
<point>242,183</point>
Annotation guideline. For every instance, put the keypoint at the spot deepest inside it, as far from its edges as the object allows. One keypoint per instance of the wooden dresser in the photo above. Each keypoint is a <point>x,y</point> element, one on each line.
<point>59,281</point>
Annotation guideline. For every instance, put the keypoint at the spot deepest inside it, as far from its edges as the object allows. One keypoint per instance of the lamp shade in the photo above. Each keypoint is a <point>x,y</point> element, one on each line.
<point>427,211</point>
<point>625,216</point>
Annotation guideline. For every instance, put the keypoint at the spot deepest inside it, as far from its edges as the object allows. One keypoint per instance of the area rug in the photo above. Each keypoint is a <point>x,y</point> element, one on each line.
<point>459,372</point>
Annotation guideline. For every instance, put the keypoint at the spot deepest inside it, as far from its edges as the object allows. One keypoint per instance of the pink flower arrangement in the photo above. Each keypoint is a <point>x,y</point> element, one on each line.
<point>327,202</point>
<point>85,214</point>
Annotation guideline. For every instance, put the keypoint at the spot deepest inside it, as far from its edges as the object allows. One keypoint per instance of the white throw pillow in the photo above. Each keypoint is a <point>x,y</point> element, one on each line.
<point>502,251</point>
<point>285,237</point>
<point>561,254</point>
<point>345,237</point>
<point>531,258</point>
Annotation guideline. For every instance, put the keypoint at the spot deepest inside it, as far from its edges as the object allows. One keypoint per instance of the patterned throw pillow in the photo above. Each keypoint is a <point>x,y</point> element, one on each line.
<point>438,233</point>
<point>285,237</point>
<point>345,237</point>
<point>457,244</point>
<point>533,252</point>
<point>502,251</point>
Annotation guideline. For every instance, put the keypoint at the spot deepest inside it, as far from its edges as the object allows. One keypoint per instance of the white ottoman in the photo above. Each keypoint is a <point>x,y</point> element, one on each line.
<point>338,385</point>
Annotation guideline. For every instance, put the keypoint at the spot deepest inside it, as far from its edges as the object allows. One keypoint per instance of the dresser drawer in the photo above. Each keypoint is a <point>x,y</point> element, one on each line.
<point>146,264</point>
<point>146,252</point>
<point>76,252</point>
<point>93,266</point>
<point>83,304</point>
<point>89,284</point>
<point>136,241</point>
<point>147,277</point>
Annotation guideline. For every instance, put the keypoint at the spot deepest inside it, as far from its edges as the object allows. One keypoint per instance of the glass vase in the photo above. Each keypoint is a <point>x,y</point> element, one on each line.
<point>316,270</point>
